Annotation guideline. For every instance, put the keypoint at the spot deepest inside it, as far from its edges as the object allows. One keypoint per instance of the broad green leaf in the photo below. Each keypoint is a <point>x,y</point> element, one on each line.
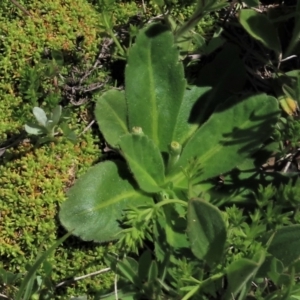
<point>226,74</point>
<point>111,116</point>
<point>260,27</point>
<point>97,200</point>
<point>235,131</point>
<point>187,120</point>
<point>240,274</point>
<point>206,231</point>
<point>40,116</point>
<point>144,160</point>
<point>154,84</point>
<point>285,244</point>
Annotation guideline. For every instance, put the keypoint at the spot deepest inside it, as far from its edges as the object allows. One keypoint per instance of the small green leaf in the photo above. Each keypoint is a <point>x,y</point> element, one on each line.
<point>128,268</point>
<point>240,274</point>
<point>8,278</point>
<point>111,115</point>
<point>34,129</point>
<point>68,133</point>
<point>206,231</point>
<point>153,272</point>
<point>144,160</point>
<point>40,116</point>
<point>173,227</point>
<point>50,126</point>
<point>97,200</point>
<point>289,92</point>
<point>270,268</point>
<point>56,114</point>
<point>260,27</point>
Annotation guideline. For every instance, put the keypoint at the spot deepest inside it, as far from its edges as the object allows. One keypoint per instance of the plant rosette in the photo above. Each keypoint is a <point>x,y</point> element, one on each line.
<point>170,144</point>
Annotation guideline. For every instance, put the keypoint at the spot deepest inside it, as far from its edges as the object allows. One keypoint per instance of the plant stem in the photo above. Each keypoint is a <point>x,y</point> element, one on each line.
<point>169,201</point>
<point>111,33</point>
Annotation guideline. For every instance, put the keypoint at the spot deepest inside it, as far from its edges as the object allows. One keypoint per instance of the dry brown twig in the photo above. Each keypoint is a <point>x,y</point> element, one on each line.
<point>18,5</point>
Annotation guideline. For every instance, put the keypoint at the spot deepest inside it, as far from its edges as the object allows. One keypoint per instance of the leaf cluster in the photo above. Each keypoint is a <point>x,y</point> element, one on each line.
<point>157,203</point>
<point>47,125</point>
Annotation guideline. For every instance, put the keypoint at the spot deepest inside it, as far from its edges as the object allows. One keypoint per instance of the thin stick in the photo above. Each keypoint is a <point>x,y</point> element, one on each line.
<point>17,4</point>
<point>87,128</point>
<point>116,286</point>
<point>83,277</point>
<point>3,296</point>
<point>286,166</point>
<point>290,57</point>
<point>144,7</point>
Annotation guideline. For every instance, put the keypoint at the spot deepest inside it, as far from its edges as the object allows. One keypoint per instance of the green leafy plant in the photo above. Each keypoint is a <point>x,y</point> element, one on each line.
<point>39,84</point>
<point>160,194</point>
<point>159,111</point>
<point>47,125</point>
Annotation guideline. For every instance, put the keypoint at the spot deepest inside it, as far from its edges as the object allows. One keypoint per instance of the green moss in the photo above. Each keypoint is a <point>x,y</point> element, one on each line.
<point>55,25</point>
<point>34,180</point>
<point>33,184</point>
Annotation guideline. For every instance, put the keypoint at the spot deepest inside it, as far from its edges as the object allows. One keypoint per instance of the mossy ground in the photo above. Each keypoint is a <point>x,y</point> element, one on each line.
<point>34,180</point>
